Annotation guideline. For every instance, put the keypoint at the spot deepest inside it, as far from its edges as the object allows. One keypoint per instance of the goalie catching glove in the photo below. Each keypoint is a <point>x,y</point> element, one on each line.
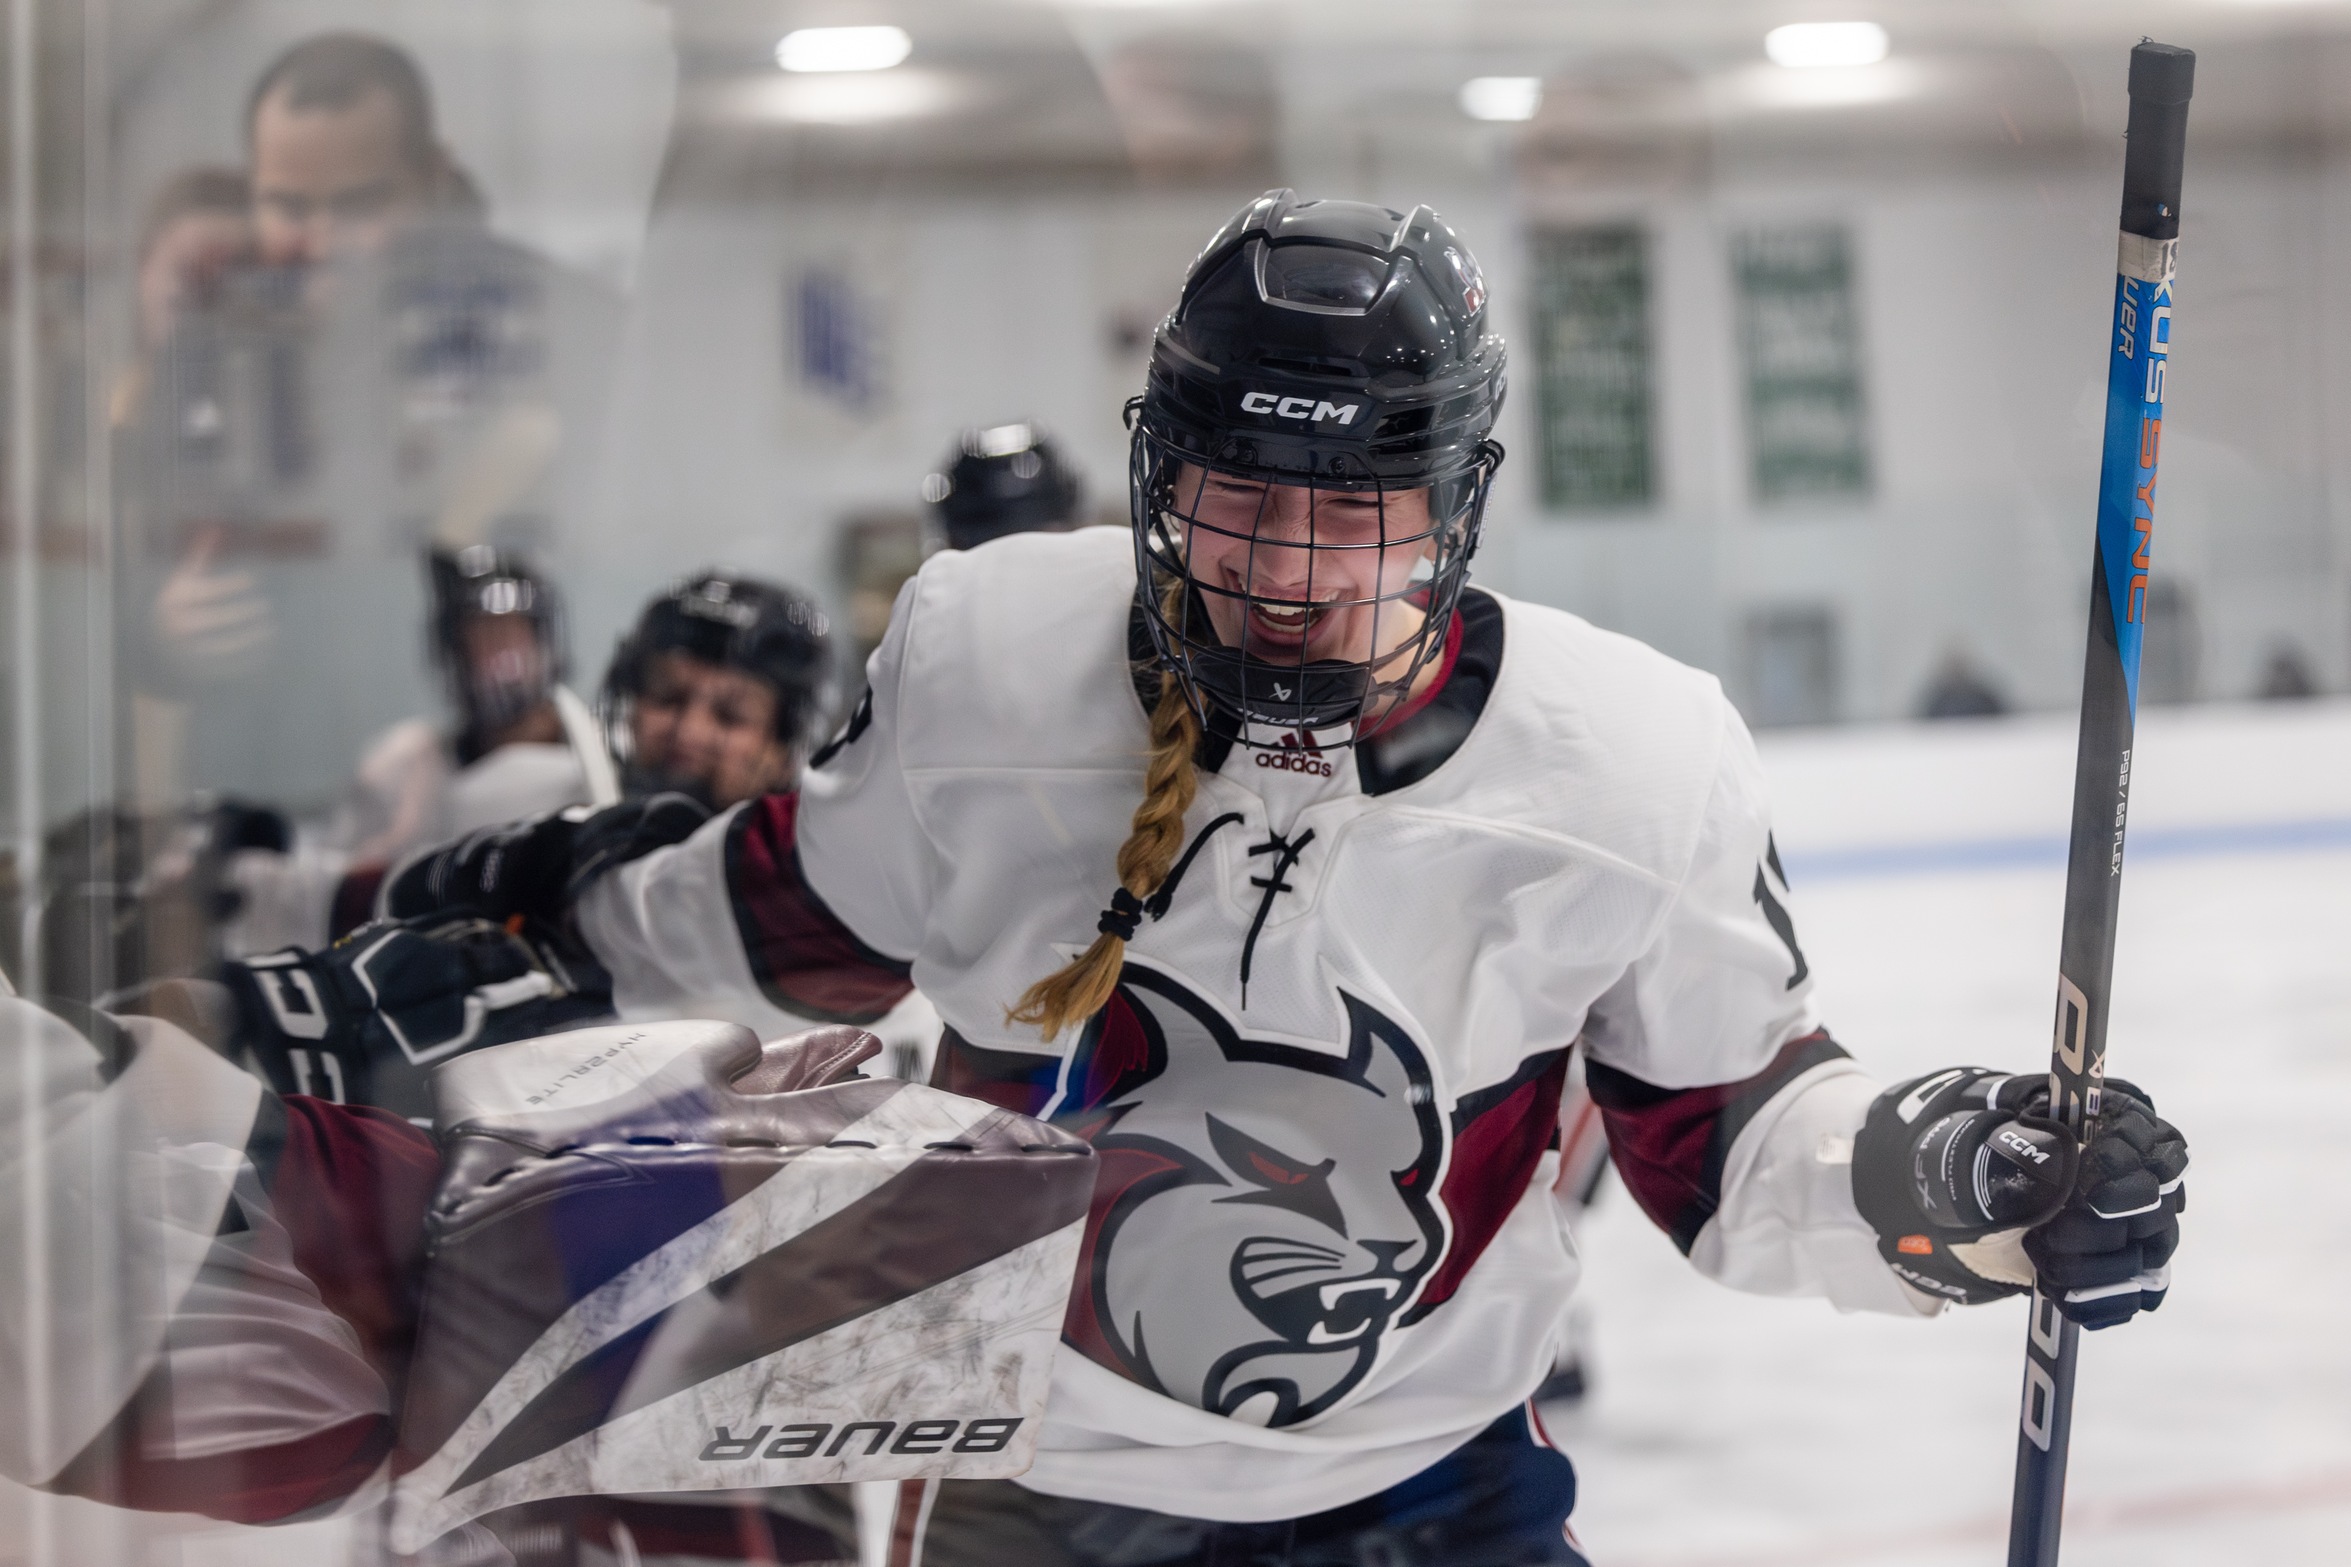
<point>1974,1191</point>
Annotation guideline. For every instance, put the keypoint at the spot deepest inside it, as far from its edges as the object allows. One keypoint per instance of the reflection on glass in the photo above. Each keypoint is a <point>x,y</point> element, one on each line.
<point>427,416</point>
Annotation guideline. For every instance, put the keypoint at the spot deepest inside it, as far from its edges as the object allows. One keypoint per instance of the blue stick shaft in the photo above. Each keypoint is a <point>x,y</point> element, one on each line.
<point>2138,356</point>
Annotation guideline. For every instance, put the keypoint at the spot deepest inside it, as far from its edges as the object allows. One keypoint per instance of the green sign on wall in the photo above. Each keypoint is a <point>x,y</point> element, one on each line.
<point>1592,367</point>
<point>1800,336</point>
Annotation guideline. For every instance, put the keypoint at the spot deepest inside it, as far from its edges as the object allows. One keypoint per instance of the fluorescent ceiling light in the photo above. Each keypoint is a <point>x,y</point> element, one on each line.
<point>870,98</point>
<point>1803,45</point>
<point>843,48</point>
<point>1502,97</point>
<point>1767,88</point>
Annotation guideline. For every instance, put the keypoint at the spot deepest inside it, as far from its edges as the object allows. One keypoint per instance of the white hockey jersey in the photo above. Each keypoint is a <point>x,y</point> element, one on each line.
<point>1325,1248</point>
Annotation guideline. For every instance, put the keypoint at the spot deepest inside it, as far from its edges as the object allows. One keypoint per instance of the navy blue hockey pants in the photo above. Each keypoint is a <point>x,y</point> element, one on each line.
<point>1499,1500</point>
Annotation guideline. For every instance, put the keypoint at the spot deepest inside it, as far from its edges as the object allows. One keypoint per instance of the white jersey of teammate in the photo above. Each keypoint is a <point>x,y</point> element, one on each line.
<point>407,793</point>
<point>1319,1261</point>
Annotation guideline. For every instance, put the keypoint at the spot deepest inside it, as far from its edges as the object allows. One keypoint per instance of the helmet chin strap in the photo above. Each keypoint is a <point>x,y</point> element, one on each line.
<point>1340,701</point>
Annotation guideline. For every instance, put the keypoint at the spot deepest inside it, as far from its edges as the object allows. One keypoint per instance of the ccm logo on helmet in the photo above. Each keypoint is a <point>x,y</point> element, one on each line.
<point>1299,408</point>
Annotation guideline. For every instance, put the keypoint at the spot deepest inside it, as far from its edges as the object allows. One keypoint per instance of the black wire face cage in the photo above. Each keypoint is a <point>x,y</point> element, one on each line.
<point>1283,557</point>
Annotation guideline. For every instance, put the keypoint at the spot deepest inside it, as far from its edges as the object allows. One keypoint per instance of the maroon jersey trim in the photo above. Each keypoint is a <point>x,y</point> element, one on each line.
<point>255,1485</point>
<point>350,1187</point>
<point>1499,1135</point>
<point>804,958</point>
<point>1669,1144</point>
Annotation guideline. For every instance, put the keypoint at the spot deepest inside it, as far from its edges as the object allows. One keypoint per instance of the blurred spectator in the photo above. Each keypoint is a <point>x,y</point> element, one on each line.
<point>340,130</point>
<point>347,367</point>
<point>717,689</point>
<point>198,226</point>
<point>2286,677</point>
<point>1959,690</point>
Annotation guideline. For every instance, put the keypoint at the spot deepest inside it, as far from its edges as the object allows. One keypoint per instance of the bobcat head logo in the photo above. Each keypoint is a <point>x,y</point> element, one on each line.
<point>1263,1214</point>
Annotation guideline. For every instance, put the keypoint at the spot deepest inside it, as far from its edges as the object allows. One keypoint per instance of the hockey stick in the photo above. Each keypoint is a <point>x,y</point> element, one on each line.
<point>2161,77</point>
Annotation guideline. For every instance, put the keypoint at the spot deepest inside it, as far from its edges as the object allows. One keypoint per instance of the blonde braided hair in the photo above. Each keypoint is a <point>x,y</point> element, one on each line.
<point>1083,986</point>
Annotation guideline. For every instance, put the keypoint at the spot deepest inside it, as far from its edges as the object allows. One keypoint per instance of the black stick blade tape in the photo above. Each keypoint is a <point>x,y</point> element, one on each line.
<point>2162,73</point>
<point>2162,76</point>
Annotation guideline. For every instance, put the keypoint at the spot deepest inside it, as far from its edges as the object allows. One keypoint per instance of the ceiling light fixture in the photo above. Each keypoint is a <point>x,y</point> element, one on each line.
<point>1806,45</point>
<point>861,98</point>
<point>1502,97</point>
<point>843,48</point>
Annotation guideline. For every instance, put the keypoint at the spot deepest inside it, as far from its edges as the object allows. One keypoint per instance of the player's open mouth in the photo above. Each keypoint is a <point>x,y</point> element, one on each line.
<point>1285,624</point>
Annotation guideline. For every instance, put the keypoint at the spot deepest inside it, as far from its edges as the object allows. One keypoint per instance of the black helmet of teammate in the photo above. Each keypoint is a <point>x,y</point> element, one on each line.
<point>493,692</point>
<point>770,632</point>
<point>1331,345</point>
<point>1004,479</point>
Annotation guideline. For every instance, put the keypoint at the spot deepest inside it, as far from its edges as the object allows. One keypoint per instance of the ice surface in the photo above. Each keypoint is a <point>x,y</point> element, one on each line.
<point>1736,1432</point>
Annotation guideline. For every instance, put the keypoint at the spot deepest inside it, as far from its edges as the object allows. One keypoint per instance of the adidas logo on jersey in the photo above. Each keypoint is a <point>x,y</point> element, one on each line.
<point>1297,755</point>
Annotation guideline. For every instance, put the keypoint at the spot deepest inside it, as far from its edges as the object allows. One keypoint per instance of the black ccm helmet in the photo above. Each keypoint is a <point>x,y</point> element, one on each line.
<point>768,631</point>
<point>1331,346</point>
<point>1004,479</point>
<point>476,583</point>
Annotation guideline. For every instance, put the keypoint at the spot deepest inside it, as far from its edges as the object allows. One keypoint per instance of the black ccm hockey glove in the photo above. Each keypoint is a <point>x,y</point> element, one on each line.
<point>1973,1190</point>
<point>365,1021</point>
<point>536,867</point>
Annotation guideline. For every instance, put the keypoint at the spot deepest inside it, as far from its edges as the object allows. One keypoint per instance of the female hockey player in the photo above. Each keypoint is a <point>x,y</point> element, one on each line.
<point>1265,853</point>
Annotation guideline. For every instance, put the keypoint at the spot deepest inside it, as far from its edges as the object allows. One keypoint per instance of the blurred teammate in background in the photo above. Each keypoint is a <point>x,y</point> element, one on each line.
<point>717,690</point>
<point>716,694</point>
<point>1003,479</point>
<point>523,744</point>
<point>1000,480</point>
